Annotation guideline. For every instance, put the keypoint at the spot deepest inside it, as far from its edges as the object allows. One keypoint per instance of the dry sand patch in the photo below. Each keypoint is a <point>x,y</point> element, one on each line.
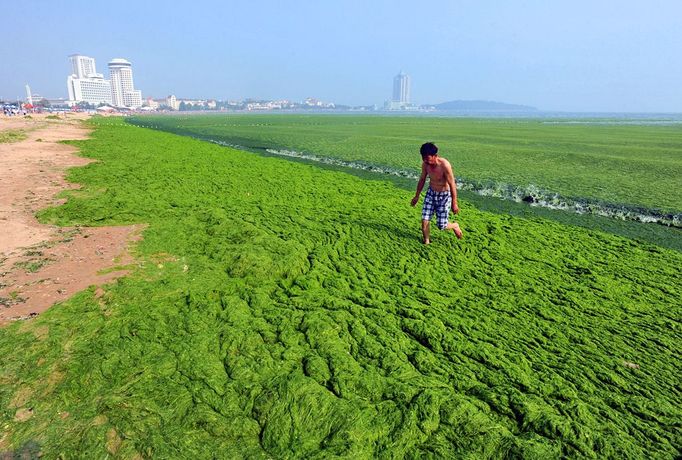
<point>44,264</point>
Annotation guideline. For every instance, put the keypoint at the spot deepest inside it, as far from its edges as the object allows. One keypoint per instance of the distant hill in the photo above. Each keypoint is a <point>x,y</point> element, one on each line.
<point>483,105</point>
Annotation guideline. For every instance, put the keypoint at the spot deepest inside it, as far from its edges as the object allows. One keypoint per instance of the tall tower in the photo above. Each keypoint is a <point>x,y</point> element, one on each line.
<point>29,97</point>
<point>122,89</point>
<point>82,66</point>
<point>401,88</point>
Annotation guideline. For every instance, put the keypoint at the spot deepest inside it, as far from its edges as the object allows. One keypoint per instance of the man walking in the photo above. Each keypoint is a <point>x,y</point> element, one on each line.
<point>442,193</point>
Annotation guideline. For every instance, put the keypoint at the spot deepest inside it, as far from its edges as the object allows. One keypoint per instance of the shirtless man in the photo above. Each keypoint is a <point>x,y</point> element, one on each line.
<point>442,193</point>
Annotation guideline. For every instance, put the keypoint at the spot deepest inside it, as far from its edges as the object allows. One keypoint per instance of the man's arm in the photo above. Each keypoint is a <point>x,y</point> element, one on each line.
<point>420,186</point>
<point>450,178</point>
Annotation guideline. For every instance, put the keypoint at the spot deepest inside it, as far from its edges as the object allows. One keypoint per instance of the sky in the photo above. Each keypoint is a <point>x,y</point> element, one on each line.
<point>556,55</point>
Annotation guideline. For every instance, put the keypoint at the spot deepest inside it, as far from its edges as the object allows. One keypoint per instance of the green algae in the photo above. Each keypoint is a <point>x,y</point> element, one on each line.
<point>634,165</point>
<point>14,135</point>
<point>296,315</point>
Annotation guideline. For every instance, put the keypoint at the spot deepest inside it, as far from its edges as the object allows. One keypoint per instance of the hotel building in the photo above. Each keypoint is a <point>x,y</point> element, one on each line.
<point>85,84</point>
<point>82,66</point>
<point>123,92</point>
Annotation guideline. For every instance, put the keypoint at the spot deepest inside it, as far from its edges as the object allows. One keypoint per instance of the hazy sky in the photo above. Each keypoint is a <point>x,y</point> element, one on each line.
<point>570,55</point>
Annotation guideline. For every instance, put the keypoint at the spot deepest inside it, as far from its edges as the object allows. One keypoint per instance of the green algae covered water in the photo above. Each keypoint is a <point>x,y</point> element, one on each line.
<point>283,311</point>
<point>634,165</point>
<point>606,174</point>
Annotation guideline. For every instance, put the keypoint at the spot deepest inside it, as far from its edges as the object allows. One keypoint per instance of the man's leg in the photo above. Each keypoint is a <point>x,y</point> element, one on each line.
<point>425,231</point>
<point>443,215</point>
<point>454,226</point>
<point>427,214</point>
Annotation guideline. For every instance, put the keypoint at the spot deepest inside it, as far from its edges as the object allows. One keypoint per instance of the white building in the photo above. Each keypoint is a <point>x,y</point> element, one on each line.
<point>123,92</point>
<point>82,66</point>
<point>401,89</point>
<point>95,90</point>
<point>85,84</point>
<point>172,102</point>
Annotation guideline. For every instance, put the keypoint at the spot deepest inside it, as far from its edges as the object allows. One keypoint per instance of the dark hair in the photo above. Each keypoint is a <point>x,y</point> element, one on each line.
<point>428,149</point>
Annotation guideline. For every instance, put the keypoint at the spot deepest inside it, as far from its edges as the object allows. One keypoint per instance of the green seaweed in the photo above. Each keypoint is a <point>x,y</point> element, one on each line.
<point>13,135</point>
<point>635,165</point>
<point>297,315</point>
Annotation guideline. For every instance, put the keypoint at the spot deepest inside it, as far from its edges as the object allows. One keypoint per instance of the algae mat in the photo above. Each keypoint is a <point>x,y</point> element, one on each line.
<point>638,166</point>
<point>283,311</point>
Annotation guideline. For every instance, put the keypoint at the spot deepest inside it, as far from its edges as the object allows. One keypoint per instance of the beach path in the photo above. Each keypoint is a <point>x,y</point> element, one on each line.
<point>41,265</point>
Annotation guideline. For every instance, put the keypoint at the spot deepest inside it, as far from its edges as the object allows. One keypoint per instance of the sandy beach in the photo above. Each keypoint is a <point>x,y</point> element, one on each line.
<point>41,265</point>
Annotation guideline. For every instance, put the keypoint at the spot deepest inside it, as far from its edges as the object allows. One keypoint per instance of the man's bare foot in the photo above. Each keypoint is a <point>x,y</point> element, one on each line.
<point>427,242</point>
<point>457,230</point>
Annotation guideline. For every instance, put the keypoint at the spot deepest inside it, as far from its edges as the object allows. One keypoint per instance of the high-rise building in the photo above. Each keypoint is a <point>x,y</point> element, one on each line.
<point>85,84</point>
<point>401,94</point>
<point>123,92</point>
<point>401,89</point>
<point>82,66</point>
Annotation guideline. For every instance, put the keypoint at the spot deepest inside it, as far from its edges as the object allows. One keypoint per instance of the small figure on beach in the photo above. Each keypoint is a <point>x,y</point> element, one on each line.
<point>441,195</point>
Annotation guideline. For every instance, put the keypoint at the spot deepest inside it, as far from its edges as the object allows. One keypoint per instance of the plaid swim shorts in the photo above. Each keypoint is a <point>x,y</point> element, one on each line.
<point>438,202</point>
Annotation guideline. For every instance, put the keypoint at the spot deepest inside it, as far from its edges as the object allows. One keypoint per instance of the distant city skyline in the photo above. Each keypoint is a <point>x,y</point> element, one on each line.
<point>609,56</point>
